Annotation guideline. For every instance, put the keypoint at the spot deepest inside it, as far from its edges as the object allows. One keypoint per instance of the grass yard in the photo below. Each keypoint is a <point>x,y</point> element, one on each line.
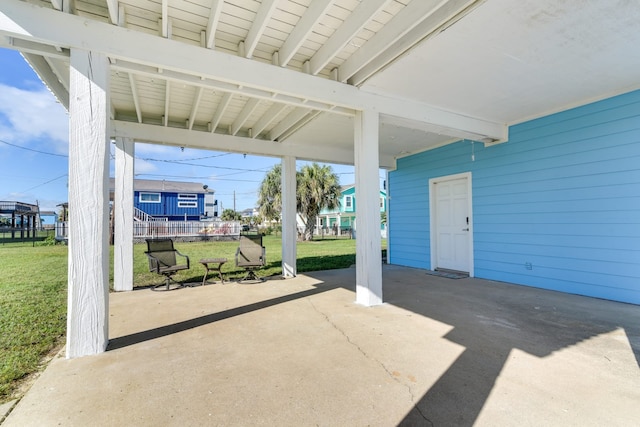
<point>33,291</point>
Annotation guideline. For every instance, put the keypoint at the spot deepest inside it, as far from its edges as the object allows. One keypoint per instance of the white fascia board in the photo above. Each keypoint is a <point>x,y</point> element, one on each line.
<point>236,144</point>
<point>29,22</point>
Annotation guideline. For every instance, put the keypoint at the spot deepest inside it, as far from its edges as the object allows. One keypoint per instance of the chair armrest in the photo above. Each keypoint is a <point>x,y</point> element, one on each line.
<point>154,262</point>
<point>185,256</point>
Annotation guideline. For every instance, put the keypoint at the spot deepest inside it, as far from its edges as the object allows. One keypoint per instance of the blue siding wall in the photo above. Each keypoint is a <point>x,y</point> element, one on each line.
<point>168,207</point>
<point>563,195</point>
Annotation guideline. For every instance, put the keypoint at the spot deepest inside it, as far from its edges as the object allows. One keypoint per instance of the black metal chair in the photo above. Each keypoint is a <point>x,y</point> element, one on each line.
<point>250,255</point>
<point>163,259</point>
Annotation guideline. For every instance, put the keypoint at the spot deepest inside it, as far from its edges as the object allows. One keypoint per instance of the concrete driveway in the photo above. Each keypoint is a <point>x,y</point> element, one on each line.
<point>299,352</point>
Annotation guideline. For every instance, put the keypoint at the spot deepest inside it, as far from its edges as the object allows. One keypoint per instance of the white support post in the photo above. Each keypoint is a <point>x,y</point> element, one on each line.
<point>123,215</point>
<point>88,286</point>
<point>289,225</point>
<point>368,241</point>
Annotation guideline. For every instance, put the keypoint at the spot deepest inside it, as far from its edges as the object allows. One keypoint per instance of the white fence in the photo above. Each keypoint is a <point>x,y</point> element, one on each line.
<point>190,229</point>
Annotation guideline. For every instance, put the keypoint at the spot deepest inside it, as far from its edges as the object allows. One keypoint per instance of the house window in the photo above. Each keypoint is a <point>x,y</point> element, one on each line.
<point>187,204</point>
<point>381,202</point>
<point>348,202</point>
<point>183,196</point>
<point>149,197</point>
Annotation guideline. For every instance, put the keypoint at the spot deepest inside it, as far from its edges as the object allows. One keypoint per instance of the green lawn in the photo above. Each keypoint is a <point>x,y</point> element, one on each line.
<point>33,291</point>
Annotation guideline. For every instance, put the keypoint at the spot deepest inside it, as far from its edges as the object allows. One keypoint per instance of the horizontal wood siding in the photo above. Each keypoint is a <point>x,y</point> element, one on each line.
<point>556,207</point>
<point>168,206</point>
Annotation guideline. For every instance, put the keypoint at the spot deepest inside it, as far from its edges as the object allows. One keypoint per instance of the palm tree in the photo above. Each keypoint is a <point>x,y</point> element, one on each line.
<point>270,195</point>
<point>317,187</point>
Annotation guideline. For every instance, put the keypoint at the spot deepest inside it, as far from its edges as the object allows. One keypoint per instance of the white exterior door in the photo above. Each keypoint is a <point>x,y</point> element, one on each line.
<point>451,223</point>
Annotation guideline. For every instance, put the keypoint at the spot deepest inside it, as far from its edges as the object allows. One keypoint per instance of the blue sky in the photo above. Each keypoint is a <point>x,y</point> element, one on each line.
<point>34,146</point>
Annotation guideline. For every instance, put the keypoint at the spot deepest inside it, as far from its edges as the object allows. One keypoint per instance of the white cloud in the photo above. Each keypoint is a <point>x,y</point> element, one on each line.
<point>26,115</point>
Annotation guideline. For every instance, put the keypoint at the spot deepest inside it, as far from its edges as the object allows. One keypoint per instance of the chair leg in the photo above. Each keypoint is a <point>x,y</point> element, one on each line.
<point>167,285</point>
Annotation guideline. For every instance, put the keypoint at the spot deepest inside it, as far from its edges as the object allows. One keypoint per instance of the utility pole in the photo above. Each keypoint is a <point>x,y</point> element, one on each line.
<point>234,202</point>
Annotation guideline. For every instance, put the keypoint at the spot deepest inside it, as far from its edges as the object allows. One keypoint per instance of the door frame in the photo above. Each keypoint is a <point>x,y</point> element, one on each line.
<point>433,220</point>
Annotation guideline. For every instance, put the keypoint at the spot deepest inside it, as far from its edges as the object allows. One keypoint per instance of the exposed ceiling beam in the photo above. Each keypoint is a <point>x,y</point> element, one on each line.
<point>362,14</point>
<point>267,118</point>
<point>403,22</point>
<point>287,123</point>
<point>226,87</point>
<point>164,30</point>
<point>235,144</point>
<point>267,7</point>
<point>136,100</point>
<point>212,23</point>
<point>41,66</point>
<point>167,102</point>
<point>27,46</point>
<point>196,105</point>
<point>299,125</point>
<point>248,109</point>
<point>112,6</point>
<point>302,29</point>
<point>448,13</point>
<point>222,106</point>
<point>57,4</point>
<point>26,21</point>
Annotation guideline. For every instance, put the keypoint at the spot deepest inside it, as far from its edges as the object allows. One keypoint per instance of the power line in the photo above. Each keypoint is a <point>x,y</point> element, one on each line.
<point>35,151</point>
<point>44,183</point>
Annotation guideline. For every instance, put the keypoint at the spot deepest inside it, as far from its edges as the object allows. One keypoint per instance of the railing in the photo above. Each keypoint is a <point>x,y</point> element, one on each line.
<point>185,228</point>
<point>148,229</point>
<point>140,215</point>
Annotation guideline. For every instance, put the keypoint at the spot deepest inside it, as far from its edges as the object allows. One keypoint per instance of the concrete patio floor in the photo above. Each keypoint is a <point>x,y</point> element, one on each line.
<point>300,352</point>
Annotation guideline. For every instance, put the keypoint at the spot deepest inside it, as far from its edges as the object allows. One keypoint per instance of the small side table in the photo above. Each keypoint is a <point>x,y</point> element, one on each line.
<point>206,262</point>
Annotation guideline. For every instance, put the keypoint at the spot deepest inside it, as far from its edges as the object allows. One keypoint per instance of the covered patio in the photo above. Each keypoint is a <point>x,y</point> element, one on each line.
<point>300,352</point>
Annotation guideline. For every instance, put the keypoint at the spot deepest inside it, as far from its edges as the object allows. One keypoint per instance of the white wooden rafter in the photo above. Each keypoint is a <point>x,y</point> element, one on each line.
<point>222,107</point>
<point>267,118</point>
<point>194,109</point>
<point>136,99</point>
<point>287,123</point>
<point>362,14</point>
<point>164,22</point>
<point>167,103</point>
<point>250,92</point>
<point>302,29</point>
<point>447,13</point>
<point>57,4</point>
<point>113,8</point>
<point>404,21</point>
<point>212,23</point>
<point>248,109</point>
<point>299,125</point>
<point>176,137</point>
<point>267,7</point>
<point>42,66</point>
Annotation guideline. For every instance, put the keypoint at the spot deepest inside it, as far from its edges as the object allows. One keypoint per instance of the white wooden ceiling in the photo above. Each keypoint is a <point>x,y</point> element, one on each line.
<point>282,76</point>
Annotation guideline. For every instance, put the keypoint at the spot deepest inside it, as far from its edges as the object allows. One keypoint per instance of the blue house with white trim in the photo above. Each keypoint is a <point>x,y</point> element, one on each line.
<point>556,207</point>
<point>173,200</point>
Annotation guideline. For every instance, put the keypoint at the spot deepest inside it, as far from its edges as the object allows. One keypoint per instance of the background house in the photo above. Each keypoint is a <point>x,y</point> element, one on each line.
<point>343,217</point>
<point>172,200</point>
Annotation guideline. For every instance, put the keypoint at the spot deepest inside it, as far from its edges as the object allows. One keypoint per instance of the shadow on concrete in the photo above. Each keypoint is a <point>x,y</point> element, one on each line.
<point>151,334</point>
<point>490,320</point>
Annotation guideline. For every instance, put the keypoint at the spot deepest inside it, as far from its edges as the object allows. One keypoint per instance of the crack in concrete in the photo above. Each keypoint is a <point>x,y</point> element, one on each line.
<point>364,353</point>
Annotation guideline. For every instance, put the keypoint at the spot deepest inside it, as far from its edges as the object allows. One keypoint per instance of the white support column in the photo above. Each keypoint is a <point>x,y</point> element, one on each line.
<point>289,225</point>
<point>368,241</point>
<point>88,293</point>
<point>123,215</point>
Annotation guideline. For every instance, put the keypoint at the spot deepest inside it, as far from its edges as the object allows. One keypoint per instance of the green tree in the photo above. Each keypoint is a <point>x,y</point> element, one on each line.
<point>230,215</point>
<point>270,195</point>
<point>317,187</point>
